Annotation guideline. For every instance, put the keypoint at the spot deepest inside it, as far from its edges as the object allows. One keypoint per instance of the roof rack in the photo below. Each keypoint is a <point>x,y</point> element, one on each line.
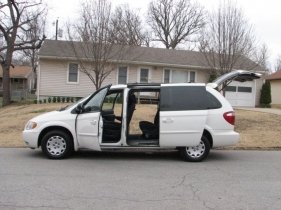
<point>143,84</point>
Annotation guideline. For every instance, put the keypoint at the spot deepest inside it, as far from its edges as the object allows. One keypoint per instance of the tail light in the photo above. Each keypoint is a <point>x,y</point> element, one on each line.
<point>229,117</point>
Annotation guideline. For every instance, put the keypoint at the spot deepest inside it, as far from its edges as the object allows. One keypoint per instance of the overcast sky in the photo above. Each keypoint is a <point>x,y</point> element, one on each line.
<point>265,15</point>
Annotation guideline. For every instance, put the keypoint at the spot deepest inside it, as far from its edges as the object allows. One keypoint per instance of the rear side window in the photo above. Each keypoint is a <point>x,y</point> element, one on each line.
<point>212,102</point>
<point>181,98</point>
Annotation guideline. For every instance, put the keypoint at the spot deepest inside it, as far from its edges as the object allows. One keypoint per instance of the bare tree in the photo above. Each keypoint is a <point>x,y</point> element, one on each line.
<point>127,27</point>
<point>90,39</point>
<point>277,66</point>
<point>37,29</point>
<point>15,19</point>
<point>173,22</point>
<point>228,41</point>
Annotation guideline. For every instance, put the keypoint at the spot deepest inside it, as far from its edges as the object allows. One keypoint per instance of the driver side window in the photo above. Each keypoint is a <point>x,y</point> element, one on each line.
<point>96,102</point>
<point>113,103</point>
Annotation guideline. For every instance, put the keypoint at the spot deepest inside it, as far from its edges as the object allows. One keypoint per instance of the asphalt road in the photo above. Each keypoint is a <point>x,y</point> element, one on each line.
<point>125,180</point>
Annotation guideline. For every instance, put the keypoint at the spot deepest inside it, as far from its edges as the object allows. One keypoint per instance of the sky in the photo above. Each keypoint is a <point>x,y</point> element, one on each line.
<point>264,15</point>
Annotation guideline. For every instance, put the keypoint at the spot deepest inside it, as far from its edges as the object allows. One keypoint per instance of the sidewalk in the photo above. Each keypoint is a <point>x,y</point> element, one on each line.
<point>266,110</point>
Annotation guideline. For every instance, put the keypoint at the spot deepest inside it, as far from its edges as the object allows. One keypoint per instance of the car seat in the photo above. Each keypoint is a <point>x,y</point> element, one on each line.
<point>150,130</point>
<point>111,129</point>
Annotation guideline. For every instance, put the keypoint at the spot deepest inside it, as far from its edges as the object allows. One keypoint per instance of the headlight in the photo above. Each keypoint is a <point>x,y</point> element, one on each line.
<point>30,125</point>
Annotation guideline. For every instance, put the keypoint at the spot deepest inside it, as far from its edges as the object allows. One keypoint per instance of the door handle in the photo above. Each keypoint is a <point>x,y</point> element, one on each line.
<point>168,120</point>
<point>93,122</point>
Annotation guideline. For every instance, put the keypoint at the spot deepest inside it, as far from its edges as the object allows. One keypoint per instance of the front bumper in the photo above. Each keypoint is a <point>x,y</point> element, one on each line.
<point>30,138</point>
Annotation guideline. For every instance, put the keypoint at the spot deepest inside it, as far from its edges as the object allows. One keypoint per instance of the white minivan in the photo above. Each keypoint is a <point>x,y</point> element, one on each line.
<point>190,117</point>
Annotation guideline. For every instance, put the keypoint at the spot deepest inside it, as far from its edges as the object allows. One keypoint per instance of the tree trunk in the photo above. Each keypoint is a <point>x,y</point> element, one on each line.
<point>6,85</point>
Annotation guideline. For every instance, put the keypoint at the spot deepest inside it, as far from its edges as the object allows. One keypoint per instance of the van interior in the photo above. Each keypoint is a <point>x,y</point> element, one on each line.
<point>140,131</point>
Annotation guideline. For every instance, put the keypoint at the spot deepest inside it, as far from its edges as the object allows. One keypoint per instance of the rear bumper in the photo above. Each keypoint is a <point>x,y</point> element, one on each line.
<point>30,138</point>
<point>225,138</point>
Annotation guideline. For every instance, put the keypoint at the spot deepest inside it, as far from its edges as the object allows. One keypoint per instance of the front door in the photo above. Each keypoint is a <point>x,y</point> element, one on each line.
<point>183,114</point>
<point>89,122</point>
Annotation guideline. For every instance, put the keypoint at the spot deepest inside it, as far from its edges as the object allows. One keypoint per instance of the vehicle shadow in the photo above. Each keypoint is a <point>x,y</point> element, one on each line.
<point>128,155</point>
<point>166,155</point>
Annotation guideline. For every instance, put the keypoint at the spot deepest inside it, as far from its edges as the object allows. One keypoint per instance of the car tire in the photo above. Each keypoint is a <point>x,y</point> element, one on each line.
<point>197,153</point>
<point>57,144</point>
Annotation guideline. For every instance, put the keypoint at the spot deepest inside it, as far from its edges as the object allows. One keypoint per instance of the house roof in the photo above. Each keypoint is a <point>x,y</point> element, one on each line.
<point>274,76</point>
<point>17,72</point>
<point>139,55</point>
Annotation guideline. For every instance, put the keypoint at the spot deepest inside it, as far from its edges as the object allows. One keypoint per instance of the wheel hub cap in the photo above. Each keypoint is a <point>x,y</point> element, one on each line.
<point>56,145</point>
<point>196,151</point>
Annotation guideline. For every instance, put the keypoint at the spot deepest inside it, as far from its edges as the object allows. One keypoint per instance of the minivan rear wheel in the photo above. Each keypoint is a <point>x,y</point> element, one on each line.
<point>57,144</point>
<point>197,153</point>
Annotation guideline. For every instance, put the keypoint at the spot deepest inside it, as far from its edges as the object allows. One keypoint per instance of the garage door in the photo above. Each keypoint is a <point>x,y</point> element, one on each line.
<point>240,94</point>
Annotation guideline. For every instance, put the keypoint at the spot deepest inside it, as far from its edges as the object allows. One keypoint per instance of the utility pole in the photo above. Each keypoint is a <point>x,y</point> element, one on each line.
<point>57,27</point>
<point>57,23</point>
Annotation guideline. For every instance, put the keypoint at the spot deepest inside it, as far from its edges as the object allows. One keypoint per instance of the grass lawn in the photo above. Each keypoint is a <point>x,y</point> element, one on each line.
<point>257,130</point>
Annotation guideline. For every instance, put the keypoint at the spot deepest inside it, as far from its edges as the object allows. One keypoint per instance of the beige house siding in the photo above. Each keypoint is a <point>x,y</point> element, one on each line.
<point>133,76</point>
<point>53,80</point>
<point>53,73</point>
<point>275,91</point>
<point>259,83</point>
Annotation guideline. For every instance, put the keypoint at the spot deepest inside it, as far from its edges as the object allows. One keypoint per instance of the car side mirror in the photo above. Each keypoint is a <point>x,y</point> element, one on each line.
<point>79,108</point>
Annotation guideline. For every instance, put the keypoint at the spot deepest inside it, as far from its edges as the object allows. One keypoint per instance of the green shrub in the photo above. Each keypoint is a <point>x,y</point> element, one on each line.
<point>35,101</point>
<point>119,100</point>
<point>213,76</point>
<point>265,105</point>
<point>54,99</point>
<point>44,100</point>
<point>265,94</point>
<point>71,99</point>
<point>58,99</point>
<point>63,99</point>
<point>67,99</point>
<point>40,101</point>
<point>49,100</point>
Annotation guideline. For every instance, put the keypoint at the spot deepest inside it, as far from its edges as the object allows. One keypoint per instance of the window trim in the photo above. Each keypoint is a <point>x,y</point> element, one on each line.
<point>170,74</point>
<point>17,81</point>
<point>67,74</point>
<point>149,73</point>
<point>127,76</point>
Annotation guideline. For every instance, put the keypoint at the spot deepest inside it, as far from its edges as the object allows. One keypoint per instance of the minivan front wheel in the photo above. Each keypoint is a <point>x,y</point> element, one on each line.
<point>197,153</point>
<point>57,144</point>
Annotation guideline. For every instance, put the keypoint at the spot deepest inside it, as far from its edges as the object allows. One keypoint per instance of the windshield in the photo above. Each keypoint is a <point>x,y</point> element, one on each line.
<point>74,104</point>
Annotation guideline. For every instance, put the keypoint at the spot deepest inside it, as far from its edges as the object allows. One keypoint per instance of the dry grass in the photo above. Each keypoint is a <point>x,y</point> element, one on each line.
<point>13,119</point>
<point>257,130</point>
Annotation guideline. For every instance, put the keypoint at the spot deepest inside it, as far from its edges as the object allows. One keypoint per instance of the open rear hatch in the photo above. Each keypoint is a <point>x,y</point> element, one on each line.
<point>238,75</point>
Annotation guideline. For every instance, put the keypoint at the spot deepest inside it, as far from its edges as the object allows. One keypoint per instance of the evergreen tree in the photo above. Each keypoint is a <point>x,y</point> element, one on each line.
<point>265,93</point>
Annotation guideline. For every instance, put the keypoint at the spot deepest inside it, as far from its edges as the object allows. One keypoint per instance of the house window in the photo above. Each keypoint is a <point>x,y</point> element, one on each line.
<point>73,73</point>
<point>192,76</point>
<point>167,76</point>
<point>16,80</point>
<point>122,75</point>
<point>178,76</point>
<point>144,74</point>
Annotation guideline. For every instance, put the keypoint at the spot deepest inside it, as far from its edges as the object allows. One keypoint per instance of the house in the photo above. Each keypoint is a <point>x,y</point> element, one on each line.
<point>59,73</point>
<point>21,81</point>
<point>275,83</point>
